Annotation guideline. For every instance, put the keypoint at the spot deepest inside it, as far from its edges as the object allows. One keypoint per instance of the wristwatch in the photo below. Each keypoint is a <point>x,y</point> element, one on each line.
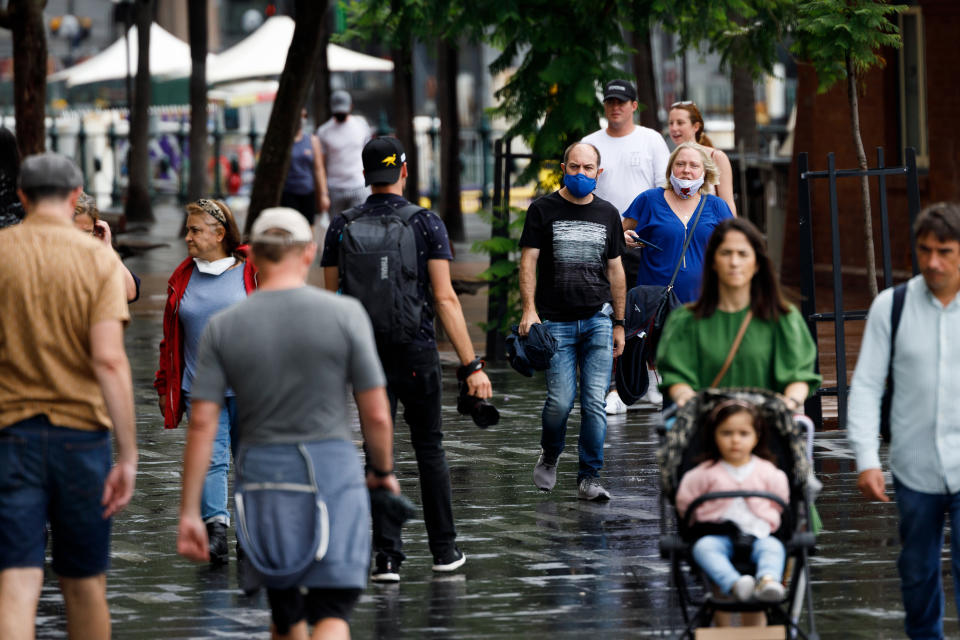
<point>379,473</point>
<point>618,322</point>
<point>465,371</point>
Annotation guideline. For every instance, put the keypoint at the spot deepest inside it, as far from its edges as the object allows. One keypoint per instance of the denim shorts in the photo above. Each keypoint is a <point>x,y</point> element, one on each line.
<point>53,476</point>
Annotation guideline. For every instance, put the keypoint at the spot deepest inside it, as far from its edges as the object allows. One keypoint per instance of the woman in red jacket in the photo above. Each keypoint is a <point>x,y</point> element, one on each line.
<point>214,276</point>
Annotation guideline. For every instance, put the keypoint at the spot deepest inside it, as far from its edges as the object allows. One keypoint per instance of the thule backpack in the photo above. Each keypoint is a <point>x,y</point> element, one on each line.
<point>378,266</point>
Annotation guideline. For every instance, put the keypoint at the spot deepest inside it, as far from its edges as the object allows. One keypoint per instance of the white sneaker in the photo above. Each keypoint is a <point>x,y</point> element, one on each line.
<point>769,590</point>
<point>615,405</point>
<point>742,589</point>
<point>653,395</point>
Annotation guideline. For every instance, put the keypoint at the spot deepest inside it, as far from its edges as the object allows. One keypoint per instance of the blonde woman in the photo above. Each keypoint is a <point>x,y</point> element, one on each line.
<point>657,223</point>
<point>659,219</point>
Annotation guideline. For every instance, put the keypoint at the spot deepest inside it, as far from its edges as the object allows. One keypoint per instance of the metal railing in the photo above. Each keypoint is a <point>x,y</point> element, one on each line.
<point>839,315</point>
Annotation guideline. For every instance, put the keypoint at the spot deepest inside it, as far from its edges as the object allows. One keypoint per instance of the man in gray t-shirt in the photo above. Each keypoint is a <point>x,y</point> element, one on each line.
<point>291,356</point>
<point>292,353</point>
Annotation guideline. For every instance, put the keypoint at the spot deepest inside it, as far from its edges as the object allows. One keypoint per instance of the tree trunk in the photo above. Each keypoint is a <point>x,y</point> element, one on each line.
<point>871,261</point>
<point>744,111</point>
<point>24,18</point>
<point>403,103</point>
<point>321,82</point>
<point>299,71</point>
<point>449,207</point>
<point>197,22</point>
<point>645,78</point>
<point>137,207</point>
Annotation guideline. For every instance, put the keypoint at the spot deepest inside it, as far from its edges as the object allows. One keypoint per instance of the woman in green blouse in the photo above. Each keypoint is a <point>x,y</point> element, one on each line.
<point>777,351</point>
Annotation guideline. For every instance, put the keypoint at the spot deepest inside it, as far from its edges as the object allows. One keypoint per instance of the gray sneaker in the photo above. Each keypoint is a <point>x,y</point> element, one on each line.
<point>591,489</point>
<point>545,472</point>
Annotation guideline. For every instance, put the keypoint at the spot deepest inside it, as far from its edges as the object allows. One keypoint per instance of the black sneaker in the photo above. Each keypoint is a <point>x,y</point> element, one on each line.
<point>385,571</point>
<point>219,551</point>
<point>451,561</point>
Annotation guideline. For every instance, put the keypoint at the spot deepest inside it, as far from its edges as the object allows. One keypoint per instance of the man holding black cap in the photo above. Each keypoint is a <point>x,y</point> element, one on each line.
<point>633,158</point>
<point>402,310</point>
<point>342,138</point>
<point>65,382</point>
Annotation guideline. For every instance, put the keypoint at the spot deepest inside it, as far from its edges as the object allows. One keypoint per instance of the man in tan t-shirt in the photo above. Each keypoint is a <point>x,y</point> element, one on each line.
<point>64,383</point>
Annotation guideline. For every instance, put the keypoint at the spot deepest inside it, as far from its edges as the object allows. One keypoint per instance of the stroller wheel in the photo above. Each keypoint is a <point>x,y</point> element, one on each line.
<point>705,617</point>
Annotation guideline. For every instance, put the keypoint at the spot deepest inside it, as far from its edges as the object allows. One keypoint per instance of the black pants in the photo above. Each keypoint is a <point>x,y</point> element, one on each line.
<point>304,203</point>
<point>413,378</point>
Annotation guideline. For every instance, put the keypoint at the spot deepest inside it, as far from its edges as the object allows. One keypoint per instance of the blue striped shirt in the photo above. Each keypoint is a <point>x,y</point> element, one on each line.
<point>925,414</point>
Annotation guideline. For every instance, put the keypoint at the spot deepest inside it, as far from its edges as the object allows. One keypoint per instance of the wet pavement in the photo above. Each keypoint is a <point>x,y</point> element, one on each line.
<point>539,564</point>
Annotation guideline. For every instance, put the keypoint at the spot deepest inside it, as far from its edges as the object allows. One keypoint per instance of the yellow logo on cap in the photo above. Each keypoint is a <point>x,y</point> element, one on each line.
<point>390,161</point>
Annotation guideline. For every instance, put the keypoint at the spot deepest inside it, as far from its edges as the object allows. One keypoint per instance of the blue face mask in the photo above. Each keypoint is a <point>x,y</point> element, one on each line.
<point>579,185</point>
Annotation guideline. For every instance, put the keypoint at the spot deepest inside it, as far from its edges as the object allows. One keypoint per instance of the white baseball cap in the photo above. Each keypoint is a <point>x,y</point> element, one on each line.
<point>284,219</point>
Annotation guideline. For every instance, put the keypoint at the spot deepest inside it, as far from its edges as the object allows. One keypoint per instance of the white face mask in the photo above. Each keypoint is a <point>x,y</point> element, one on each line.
<point>685,188</point>
<point>216,267</point>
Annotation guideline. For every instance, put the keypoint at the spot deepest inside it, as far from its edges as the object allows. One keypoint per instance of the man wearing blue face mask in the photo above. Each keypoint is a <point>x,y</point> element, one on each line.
<point>571,278</point>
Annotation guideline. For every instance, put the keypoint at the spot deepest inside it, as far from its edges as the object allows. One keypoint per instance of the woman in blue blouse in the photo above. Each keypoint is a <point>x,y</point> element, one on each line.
<point>659,219</point>
<point>657,222</point>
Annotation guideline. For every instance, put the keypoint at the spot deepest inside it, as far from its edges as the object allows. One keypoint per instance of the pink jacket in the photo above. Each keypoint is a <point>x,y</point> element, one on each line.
<point>710,477</point>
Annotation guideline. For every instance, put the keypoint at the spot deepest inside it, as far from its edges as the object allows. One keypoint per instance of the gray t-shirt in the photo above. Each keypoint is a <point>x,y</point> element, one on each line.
<point>291,356</point>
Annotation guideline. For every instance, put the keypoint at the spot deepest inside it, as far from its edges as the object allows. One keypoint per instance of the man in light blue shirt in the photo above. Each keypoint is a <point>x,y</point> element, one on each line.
<point>924,416</point>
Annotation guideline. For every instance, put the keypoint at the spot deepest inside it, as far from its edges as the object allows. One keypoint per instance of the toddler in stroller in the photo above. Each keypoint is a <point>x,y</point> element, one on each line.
<point>736,458</point>
<point>734,474</point>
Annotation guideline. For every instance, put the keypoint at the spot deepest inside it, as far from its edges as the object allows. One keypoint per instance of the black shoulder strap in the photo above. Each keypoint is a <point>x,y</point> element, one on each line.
<point>407,211</point>
<point>686,243</point>
<point>352,214</point>
<point>899,296</point>
<point>886,402</point>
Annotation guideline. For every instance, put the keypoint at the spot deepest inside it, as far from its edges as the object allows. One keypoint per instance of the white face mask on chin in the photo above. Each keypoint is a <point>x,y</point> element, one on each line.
<point>216,267</point>
<point>685,188</point>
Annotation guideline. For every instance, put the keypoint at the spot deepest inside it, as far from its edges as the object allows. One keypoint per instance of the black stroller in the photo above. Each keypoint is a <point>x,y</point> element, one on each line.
<point>679,449</point>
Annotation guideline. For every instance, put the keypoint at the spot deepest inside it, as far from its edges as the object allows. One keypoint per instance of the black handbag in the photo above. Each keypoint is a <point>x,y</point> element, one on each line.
<point>647,309</point>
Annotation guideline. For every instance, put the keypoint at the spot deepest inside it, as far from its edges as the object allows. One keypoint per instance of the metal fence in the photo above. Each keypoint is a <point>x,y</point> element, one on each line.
<point>839,316</point>
<point>98,140</point>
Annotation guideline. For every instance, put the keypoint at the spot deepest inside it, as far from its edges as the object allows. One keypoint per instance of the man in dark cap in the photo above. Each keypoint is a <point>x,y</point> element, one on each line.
<point>401,290</point>
<point>633,158</point>
<point>342,138</point>
<point>64,384</point>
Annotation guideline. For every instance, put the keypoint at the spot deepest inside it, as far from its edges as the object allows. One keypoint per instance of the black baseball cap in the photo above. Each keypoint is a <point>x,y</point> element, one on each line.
<point>382,159</point>
<point>49,170</point>
<point>621,90</point>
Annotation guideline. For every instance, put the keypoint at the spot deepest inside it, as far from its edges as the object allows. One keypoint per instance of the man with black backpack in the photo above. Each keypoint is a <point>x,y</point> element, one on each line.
<point>911,345</point>
<point>394,257</point>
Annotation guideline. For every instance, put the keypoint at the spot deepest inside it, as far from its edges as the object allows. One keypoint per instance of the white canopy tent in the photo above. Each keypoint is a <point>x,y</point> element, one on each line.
<point>169,57</point>
<point>264,52</point>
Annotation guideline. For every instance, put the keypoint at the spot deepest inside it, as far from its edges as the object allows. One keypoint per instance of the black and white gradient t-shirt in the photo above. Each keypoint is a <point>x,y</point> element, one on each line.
<point>575,243</point>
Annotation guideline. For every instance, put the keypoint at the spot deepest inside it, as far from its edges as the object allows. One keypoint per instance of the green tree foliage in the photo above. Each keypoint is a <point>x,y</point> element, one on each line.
<point>828,32</point>
<point>745,33</point>
<point>560,53</point>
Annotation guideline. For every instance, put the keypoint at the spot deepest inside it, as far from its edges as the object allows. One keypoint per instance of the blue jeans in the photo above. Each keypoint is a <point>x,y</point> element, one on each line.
<point>922,516</point>
<point>713,554</point>
<point>213,503</point>
<point>584,346</point>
